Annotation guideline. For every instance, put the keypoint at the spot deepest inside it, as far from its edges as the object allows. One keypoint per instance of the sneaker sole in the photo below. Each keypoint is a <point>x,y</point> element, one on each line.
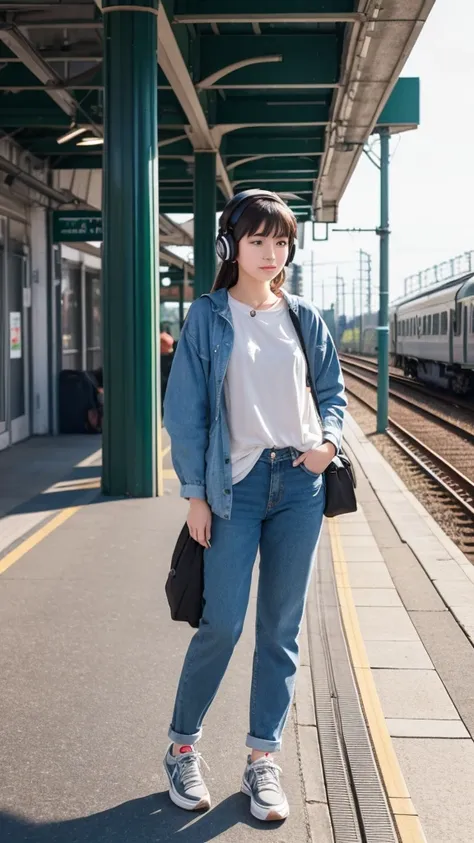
<point>187,804</point>
<point>274,814</point>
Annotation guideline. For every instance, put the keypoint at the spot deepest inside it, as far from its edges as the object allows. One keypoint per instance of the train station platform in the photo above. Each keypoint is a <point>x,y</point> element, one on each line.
<point>380,738</point>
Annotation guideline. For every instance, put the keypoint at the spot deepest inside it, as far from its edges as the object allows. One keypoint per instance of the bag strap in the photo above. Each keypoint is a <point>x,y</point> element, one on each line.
<point>309,380</point>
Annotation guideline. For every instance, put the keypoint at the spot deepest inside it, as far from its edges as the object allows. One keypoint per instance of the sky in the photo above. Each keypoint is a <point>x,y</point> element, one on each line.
<point>431,171</point>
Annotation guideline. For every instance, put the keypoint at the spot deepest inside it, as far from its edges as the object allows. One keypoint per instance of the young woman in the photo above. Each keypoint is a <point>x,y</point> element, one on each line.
<point>250,450</point>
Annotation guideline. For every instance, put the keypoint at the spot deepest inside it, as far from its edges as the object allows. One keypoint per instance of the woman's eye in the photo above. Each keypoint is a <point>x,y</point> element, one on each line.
<point>256,242</point>
<point>282,243</point>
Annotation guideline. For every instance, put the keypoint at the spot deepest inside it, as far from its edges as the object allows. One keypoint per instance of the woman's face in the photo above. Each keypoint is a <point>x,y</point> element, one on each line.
<point>262,258</point>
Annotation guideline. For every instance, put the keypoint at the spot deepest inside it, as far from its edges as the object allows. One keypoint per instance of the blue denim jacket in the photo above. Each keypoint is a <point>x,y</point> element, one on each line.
<point>195,412</point>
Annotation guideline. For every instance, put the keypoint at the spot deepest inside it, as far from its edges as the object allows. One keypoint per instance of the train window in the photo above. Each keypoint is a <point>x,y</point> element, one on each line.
<point>412,327</point>
<point>444,322</point>
<point>472,319</point>
<point>424,325</point>
<point>435,324</point>
<point>458,319</point>
<point>428,330</point>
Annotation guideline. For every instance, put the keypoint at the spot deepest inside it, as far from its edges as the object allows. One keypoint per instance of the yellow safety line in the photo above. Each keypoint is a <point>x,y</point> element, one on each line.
<point>75,485</point>
<point>36,538</point>
<point>406,817</point>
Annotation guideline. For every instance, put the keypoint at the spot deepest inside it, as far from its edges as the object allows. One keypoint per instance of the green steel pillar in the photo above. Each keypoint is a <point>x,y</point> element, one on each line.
<point>383,326</point>
<point>204,222</point>
<point>130,249</point>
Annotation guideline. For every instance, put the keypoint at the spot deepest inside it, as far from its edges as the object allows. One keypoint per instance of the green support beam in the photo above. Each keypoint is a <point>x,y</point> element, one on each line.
<point>130,290</point>
<point>240,146</point>
<point>255,8</point>
<point>76,162</point>
<point>248,111</point>
<point>204,222</point>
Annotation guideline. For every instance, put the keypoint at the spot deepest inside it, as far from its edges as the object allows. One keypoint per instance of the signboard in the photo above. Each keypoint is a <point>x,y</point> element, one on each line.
<point>77,226</point>
<point>15,336</point>
<point>402,110</point>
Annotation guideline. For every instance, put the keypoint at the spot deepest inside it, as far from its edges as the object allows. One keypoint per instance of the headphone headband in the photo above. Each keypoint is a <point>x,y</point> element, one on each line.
<point>239,202</point>
<point>226,246</point>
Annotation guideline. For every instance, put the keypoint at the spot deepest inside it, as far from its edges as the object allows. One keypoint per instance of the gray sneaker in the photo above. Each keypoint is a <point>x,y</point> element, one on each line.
<point>261,781</point>
<point>187,788</point>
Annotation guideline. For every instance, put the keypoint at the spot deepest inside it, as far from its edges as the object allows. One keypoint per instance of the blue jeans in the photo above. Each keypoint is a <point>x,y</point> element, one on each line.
<point>278,508</point>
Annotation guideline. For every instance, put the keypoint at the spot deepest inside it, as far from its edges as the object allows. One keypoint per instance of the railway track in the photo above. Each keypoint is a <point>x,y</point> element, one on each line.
<point>445,413</point>
<point>369,365</point>
<point>442,449</point>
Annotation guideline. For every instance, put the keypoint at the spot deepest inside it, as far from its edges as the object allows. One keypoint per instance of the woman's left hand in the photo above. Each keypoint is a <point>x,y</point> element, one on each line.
<point>318,459</point>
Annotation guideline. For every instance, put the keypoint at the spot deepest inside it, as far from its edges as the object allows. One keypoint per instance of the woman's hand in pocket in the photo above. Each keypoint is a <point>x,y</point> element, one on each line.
<point>199,521</point>
<point>318,459</point>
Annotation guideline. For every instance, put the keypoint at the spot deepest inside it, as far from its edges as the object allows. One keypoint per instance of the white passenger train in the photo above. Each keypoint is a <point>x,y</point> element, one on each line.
<point>432,334</point>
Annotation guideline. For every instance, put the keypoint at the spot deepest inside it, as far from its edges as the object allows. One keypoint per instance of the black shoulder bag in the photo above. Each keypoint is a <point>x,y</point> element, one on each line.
<point>339,475</point>
<point>185,584</point>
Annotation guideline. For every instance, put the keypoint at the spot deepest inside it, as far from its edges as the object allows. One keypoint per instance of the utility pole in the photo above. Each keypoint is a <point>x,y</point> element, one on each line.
<point>365,262</point>
<point>354,282</point>
<point>340,298</point>
<point>369,283</point>
<point>361,301</point>
<point>312,277</point>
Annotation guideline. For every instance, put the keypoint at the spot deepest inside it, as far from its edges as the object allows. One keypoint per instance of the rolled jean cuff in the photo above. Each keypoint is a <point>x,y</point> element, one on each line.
<point>184,740</point>
<point>262,745</point>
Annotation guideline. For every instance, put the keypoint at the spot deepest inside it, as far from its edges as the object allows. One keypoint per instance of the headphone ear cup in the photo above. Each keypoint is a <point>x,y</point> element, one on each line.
<point>225,247</point>
<point>291,254</point>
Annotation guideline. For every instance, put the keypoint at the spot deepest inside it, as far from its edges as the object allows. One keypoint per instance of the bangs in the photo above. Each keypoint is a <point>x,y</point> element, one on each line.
<point>266,217</point>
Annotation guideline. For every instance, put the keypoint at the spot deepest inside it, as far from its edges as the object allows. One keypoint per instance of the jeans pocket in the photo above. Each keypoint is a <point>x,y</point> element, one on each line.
<point>313,474</point>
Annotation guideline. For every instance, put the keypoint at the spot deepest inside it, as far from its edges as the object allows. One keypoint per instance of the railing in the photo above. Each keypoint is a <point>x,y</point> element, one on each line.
<point>440,272</point>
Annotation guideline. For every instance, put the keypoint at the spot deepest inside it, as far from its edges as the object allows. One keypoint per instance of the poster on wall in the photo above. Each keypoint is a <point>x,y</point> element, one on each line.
<point>15,335</point>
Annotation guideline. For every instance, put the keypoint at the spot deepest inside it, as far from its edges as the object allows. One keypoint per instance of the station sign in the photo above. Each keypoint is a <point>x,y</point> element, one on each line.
<point>77,226</point>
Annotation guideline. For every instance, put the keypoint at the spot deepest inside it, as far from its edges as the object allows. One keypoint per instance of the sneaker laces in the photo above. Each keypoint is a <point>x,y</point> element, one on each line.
<point>267,774</point>
<point>190,768</point>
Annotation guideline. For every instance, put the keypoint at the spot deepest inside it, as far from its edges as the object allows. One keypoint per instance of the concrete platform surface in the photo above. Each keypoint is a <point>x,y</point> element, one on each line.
<point>414,609</point>
<point>90,661</point>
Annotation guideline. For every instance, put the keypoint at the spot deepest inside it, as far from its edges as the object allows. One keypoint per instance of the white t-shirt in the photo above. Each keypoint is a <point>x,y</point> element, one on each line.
<point>267,400</point>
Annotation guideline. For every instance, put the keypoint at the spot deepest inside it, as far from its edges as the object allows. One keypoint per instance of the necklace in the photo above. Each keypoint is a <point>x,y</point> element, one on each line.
<point>253,311</point>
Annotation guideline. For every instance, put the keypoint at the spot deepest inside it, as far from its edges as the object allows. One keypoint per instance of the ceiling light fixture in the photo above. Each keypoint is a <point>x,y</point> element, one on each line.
<point>90,142</point>
<point>73,132</point>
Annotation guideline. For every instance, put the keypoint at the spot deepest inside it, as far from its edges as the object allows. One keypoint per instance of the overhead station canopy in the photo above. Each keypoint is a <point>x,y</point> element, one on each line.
<point>287,91</point>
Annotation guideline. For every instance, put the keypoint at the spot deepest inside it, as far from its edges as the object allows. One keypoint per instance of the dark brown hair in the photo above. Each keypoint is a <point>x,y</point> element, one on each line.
<point>266,216</point>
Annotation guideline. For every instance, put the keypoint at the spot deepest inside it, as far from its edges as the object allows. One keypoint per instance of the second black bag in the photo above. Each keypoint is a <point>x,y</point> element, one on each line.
<point>185,584</point>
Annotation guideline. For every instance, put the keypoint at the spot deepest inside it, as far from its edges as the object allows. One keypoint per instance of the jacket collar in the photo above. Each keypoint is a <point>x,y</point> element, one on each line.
<point>220,301</point>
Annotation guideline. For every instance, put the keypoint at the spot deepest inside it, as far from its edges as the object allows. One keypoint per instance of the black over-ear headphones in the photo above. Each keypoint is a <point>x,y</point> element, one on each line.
<point>226,247</point>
